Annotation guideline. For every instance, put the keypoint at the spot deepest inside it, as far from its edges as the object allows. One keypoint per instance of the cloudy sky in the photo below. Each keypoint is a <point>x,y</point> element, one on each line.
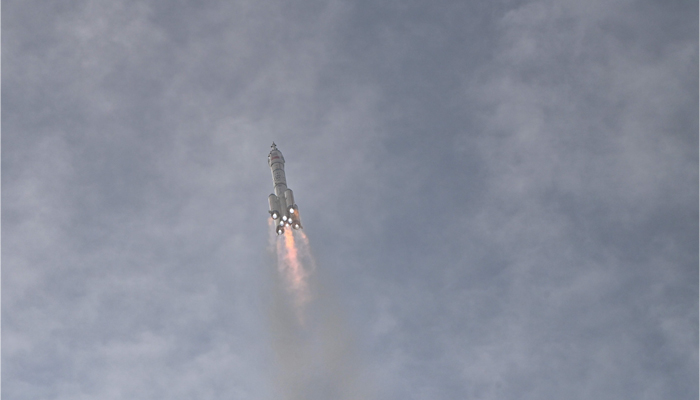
<point>501,198</point>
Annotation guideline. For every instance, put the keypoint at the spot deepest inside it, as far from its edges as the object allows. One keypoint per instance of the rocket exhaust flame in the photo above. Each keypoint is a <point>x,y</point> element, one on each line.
<point>290,266</point>
<point>313,345</point>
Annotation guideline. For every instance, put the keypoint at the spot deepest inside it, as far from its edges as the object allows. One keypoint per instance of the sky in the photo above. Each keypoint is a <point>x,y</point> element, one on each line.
<point>500,199</point>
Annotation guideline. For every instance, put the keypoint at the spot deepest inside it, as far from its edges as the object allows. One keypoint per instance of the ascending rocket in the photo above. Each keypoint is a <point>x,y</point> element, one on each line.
<point>282,208</point>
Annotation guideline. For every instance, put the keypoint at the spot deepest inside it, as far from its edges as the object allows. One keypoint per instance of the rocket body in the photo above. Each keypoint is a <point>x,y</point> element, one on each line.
<point>283,210</point>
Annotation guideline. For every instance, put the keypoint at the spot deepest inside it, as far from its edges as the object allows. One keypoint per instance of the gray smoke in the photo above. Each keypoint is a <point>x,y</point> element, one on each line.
<point>316,355</point>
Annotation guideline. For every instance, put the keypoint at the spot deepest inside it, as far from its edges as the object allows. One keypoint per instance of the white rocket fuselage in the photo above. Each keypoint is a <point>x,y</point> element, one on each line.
<point>283,210</point>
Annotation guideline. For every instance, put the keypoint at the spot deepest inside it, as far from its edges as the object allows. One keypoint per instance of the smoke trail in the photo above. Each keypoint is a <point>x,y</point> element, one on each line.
<point>290,266</point>
<point>315,349</point>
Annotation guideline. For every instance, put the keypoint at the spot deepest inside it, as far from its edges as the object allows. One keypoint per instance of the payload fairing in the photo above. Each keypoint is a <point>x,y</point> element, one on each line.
<point>283,210</point>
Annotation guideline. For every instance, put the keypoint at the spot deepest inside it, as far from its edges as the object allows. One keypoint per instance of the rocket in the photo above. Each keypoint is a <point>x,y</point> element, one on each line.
<point>282,208</point>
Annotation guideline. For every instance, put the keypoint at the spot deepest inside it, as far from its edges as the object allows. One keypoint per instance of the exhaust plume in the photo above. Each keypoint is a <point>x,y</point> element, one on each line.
<point>313,345</point>
<point>294,273</point>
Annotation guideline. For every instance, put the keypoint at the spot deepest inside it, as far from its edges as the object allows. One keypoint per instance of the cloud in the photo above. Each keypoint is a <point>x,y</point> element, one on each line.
<point>502,198</point>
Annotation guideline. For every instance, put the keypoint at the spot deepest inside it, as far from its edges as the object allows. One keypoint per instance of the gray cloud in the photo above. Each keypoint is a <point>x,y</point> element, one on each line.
<point>502,198</point>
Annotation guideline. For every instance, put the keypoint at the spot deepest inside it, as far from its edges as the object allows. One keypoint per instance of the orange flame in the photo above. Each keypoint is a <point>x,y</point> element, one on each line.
<point>290,266</point>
